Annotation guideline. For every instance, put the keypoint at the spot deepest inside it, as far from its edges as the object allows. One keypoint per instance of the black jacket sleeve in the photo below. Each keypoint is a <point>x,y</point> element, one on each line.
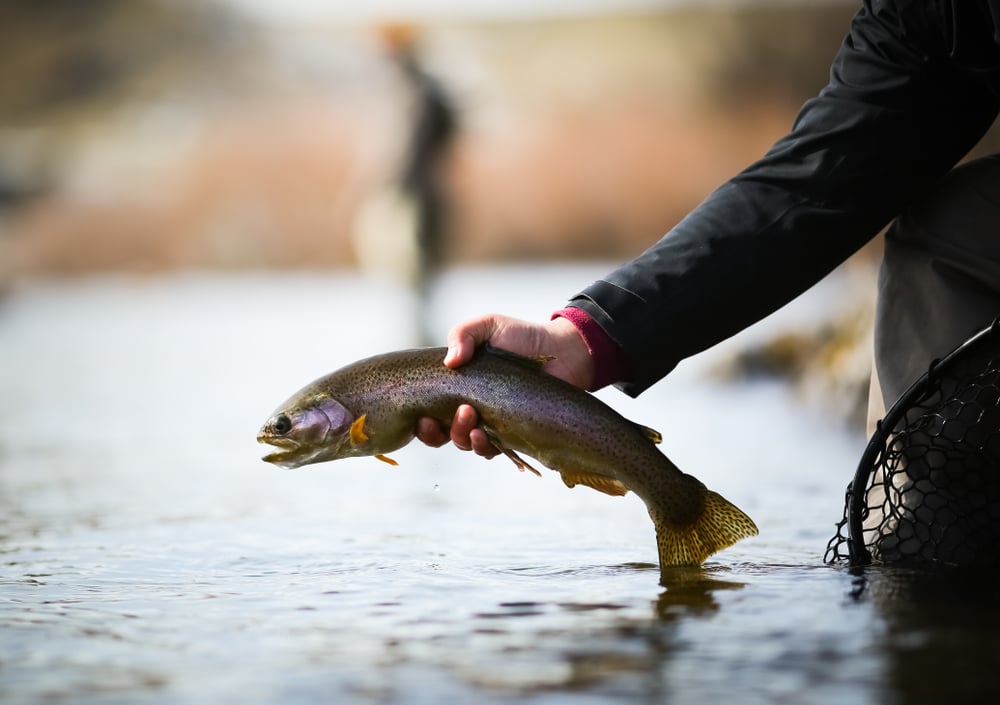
<point>904,103</point>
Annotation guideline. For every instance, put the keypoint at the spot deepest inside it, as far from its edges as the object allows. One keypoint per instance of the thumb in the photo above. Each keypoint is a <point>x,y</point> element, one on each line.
<point>465,337</point>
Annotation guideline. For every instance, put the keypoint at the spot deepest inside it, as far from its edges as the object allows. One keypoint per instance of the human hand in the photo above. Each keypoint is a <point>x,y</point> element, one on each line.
<point>558,339</point>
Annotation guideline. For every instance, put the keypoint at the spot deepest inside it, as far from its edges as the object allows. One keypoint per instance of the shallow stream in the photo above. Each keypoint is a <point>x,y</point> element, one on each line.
<point>149,556</point>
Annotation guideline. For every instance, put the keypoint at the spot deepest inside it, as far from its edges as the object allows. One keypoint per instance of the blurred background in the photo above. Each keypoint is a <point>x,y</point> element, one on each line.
<point>147,135</point>
<point>406,137</point>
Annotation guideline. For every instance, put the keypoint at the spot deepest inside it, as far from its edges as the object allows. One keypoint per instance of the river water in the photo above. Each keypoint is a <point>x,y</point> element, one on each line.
<point>149,556</point>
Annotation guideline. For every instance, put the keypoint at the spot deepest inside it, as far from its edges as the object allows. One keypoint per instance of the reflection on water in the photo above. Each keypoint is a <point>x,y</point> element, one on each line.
<point>690,592</point>
<point>940,634</point>
<point>148,555</point>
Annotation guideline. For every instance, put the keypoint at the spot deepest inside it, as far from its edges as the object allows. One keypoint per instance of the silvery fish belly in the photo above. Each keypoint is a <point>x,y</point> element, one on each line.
<point>371,408</point>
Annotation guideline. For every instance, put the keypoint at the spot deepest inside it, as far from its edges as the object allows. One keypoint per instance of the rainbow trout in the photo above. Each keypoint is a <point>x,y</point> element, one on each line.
<point>371,408</point>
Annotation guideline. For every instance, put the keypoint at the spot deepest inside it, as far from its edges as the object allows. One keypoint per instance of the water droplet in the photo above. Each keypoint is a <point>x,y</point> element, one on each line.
<point>437,488</point>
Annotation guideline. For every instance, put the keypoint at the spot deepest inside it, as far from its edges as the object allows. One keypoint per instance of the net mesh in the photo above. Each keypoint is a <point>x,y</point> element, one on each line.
<point>927,489</point>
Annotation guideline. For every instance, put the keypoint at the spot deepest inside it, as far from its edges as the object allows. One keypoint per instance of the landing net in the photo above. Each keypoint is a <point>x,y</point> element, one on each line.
<point>927,489</point>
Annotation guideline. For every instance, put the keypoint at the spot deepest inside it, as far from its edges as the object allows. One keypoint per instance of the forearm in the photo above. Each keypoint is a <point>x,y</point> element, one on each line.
<point>891,121</point>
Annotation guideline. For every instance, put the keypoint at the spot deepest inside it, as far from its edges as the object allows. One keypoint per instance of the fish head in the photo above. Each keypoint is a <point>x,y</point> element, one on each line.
<point>313,430</point>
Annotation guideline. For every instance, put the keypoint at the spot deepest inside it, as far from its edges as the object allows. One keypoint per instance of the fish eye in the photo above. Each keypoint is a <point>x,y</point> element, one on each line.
<point>282,424</point>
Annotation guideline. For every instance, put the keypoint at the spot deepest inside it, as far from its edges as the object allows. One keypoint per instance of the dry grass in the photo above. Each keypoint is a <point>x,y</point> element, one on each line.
<point>581,138</point>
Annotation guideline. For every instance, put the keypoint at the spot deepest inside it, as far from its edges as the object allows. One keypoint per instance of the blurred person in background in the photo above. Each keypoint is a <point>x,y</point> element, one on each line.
<point>403,227</point>
<point>913,88</point>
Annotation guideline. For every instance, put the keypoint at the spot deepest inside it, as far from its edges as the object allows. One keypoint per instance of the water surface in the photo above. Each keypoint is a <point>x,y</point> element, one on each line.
<point>149,556</point>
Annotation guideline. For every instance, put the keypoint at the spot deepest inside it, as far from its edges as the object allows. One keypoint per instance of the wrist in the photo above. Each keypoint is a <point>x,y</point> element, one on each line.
<point>572,355</point>
<point>589,348</point>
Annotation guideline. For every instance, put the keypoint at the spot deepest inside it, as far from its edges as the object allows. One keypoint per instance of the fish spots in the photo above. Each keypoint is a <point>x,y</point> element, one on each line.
<point>720,524</point>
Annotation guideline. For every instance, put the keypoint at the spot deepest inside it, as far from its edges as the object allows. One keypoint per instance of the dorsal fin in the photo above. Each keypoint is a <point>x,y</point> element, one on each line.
<point>601,483</point>
<point>534,363</point>
<point>650,433</point>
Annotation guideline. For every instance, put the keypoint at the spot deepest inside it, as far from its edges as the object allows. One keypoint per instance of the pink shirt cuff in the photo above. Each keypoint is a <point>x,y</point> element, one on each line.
<point>605,353</point>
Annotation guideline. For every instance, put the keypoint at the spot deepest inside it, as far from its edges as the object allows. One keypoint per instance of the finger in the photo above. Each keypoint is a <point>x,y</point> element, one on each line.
<point>429,432</point>
<point>481,444</point>
<point>466,420</point>
<point>463,339</point>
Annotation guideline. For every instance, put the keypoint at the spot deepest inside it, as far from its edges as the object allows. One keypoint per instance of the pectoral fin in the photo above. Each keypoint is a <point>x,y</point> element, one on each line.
<point>386,459</point>
<point>601,483</point>
<point>358,434</point>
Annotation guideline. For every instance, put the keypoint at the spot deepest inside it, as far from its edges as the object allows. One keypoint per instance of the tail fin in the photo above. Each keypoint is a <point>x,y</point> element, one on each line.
<point>720,525</point>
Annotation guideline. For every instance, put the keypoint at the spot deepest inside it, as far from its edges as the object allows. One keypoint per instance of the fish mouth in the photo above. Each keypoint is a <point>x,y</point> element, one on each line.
<point>292,453</point>
<point>288,453</point>
<point>284,460</point>
<point>296,457</point>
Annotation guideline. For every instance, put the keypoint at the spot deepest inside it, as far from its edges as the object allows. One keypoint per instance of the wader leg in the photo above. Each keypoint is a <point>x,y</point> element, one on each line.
<point>938,501</point>
<point>940,277</point>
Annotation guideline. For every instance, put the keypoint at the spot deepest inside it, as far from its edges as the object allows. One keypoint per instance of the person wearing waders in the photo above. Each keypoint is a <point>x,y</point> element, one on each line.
<point>432,129</point>
<point>913,88</point>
